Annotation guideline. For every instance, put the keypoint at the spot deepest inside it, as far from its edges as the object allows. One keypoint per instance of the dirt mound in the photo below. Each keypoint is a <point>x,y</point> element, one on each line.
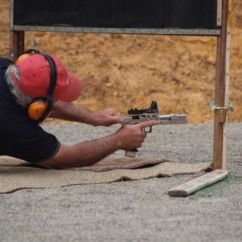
<point>125,71</point>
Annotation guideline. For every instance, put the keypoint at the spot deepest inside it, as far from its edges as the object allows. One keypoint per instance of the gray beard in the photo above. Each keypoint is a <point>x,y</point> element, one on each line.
<point>21,99</point>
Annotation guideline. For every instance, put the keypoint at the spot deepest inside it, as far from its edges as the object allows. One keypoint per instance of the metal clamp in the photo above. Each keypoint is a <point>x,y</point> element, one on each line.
<point>228,107</point>
<point>221,111</point>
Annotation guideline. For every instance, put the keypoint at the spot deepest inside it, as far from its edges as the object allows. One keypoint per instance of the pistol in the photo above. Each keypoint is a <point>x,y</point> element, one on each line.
<point>136,116</point>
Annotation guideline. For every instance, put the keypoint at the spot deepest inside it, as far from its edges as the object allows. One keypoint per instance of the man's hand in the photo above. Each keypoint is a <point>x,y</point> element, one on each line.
<point>133,136</point>
<point>105,117</point>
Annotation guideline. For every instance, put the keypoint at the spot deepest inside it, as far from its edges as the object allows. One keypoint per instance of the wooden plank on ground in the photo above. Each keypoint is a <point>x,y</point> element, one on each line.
<point>197,184</point>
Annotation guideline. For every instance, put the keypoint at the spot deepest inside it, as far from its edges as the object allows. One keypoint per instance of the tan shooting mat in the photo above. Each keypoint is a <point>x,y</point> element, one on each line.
<point>14,175</point>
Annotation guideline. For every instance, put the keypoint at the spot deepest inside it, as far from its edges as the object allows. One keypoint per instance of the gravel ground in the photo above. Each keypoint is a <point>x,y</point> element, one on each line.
<point>134,210</point>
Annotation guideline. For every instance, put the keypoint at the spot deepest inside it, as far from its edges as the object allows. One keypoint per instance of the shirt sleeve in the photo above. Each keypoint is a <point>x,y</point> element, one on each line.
<point>38,147</point>
<point>26,140</point>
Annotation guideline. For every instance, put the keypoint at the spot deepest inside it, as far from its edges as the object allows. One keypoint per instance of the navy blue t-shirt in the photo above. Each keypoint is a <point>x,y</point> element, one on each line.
<point>21,137</point>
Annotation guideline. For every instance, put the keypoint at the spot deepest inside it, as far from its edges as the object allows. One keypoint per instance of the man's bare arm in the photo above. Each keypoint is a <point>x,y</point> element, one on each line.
<point>82,154</point>
<point>73,112</point>
<point>90,152</point>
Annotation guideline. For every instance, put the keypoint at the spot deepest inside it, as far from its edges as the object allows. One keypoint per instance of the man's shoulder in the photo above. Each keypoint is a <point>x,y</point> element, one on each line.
<point>4,62</point>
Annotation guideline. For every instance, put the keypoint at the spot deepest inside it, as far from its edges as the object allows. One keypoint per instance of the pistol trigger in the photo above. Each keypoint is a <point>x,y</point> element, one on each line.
<point>148,129</point>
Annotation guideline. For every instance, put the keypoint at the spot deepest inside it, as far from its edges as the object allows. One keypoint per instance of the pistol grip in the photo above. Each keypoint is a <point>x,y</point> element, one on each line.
<point>131,153</point>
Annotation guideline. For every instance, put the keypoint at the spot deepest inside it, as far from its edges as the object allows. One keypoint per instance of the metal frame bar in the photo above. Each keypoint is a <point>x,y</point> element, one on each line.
<point>167,31</point>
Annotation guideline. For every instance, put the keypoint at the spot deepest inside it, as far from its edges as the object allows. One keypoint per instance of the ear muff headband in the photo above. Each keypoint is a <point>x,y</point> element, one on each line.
<point>49,99</point>
<point>32,51</point>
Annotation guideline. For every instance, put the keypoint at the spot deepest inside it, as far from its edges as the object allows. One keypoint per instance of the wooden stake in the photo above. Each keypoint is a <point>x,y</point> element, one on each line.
<point>197,184</point>
<point>16,44</point>
<point>221,89</point>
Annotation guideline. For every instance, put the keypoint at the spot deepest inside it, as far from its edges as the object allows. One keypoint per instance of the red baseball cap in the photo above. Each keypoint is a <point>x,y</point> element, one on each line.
<point>35,79</point>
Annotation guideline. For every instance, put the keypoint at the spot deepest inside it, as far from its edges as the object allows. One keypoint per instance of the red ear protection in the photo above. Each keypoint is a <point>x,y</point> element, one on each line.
<point>40,107</point>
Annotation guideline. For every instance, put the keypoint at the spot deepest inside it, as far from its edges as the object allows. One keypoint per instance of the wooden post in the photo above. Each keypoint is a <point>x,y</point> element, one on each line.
<point>221,88</point>
<point>16,44</point>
